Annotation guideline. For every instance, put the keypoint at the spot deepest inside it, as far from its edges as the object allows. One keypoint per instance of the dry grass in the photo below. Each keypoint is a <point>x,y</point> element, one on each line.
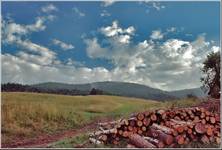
<point>29,114</point>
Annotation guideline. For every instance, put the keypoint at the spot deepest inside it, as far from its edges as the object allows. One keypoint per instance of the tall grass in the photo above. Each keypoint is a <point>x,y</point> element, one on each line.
<point>29,114</point>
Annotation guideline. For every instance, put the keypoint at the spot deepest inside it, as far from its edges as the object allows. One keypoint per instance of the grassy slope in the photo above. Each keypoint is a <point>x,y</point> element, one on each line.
<point>29,114</point>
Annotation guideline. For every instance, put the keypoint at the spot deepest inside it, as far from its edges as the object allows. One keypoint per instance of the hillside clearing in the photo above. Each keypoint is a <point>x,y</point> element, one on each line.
<point>26,115</point>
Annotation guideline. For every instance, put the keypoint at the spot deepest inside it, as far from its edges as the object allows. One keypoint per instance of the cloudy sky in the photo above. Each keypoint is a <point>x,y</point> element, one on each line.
<point>159,44</point>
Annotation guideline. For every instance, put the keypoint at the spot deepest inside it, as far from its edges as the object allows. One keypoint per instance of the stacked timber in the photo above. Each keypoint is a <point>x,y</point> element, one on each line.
<point>161,128</point>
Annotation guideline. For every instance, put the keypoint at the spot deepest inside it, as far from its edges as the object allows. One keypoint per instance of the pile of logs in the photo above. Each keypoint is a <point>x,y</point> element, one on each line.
<point>161,128</point>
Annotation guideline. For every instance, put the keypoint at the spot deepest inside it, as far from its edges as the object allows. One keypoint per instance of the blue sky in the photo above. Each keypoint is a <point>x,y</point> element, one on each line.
<point>159,44</point>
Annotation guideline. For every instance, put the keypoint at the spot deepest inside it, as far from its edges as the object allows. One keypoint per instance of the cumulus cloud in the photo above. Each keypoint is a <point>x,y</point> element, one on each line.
<point>78,12</point>
<point>107,3</point>
<point>171,64</point>
<point>167,65</point>
<point>117,33</point>
<point>63,45</point>
<point>94,50</point>
<point>12,31</point>
<point>49,8</point>
<point>156,35</point>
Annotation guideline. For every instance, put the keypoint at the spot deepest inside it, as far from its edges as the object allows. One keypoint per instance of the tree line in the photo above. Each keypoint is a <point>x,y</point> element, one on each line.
<point>16,87</point>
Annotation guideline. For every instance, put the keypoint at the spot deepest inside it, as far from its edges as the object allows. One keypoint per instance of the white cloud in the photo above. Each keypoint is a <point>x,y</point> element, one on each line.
<point>117,33</point>
<point>94,50</point>
<point>63,45</point>
<point>166,65</point>
<point>49,8</point>
<point>156,35</point>
<point>215,49</point>
<point>104,13</point>
<point>171,64</point>
<point>77,11</point>
<point>107,3</point>
<point>13,32</point>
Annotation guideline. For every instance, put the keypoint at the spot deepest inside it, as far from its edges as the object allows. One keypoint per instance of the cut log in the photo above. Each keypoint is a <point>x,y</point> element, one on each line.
<point>180,139</point>
<point>205,139</point>
<point>120,132</point>
<point>180,129</point>
<point>95,141</point>
<point>140,116</point>
<point>200,128</point>
<point>218,140</point>
<point>146,122</point>
<point>156,142</point>
<point>166,138</point>
<point>153,117</point>
<point>140,132</point>
<point>114,130</point>
<point>212,120</point>
<point>132,123</point>
<point>125,134</point>
<point>139,123</point>
<point>162,128</point>
<point>143,128</point>
<point>209,131</point>
<point>130,128</point>
<point>130,146</point>
<point>103,138</point>
<point>140,142</point>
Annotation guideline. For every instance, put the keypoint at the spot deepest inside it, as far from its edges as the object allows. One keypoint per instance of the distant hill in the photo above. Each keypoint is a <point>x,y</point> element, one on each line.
<point>124,89</point>
<point>183,93</point>
<point>103,88</point>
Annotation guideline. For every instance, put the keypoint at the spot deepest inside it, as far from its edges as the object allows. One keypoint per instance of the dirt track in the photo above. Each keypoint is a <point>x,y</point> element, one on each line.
<point>43,140</point>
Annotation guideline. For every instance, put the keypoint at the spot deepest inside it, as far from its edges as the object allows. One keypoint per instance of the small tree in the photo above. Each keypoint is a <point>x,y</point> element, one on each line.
<point>211,69</point>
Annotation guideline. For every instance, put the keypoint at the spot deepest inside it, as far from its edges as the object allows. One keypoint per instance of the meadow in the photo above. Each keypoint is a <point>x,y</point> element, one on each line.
<point>27,115</point>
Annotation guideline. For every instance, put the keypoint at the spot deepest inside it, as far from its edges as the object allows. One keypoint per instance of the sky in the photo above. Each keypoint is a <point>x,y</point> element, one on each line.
<point>158,44</point>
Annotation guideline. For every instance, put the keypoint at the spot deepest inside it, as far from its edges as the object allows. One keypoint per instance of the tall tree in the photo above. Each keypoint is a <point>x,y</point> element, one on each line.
<point>211,70</point>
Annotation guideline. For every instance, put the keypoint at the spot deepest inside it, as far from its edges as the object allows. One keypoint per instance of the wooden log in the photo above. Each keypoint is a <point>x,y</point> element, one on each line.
<point>140,116</point>
<point>95,141</point>
<point>156,142</point>
<point>143,128</point>
<point>180,129</point>
<point>103,138</point>
<point>162,128</point>
<point>146,122</point>
<point>139,123</point>
<point>205,139</point>
<point>212,120</point>
<point>130,128</point>
<point>200,128</point>
<point>166,138</point>
<point>130,146</point>
<point>203,121</point>
<point>189,131</point>
<point>180,139</point>
<point>140,132</point>
<point>125,134</point>
<point>115,142</point>
<point>132,123</point>
<point>120,132</point>
<point>153,117</point>
<point>114,130</point>
<point>218,140</point>
<point>140,142</point>
<point>209,131</point>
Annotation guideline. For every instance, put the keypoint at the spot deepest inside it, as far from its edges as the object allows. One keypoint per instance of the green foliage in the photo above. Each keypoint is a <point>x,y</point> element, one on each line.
<point>211,69</point>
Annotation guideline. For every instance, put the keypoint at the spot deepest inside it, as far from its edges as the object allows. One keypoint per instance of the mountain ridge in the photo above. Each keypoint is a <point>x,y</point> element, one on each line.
<point>124,89</point>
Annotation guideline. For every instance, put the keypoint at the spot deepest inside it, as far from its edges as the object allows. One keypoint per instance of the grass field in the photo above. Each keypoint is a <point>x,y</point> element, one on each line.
<point>30,114</point>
